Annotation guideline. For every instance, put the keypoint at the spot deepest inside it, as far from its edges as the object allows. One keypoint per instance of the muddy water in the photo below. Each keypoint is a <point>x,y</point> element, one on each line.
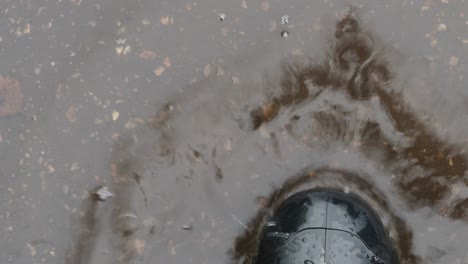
<point>196,182</point>
<point>360,103</point>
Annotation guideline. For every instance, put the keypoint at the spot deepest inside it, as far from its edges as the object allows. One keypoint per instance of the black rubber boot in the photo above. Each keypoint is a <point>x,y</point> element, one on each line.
<point>325,227</point>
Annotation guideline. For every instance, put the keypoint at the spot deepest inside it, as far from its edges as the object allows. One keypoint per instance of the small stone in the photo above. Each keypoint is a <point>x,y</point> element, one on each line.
<point>285,34</point>
<point>221,16</point>
<point>115,115</point>
<point>284,19</point>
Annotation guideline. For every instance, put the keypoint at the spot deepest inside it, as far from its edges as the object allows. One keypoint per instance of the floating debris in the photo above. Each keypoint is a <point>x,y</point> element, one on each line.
<point>11,96</point>
<point>284,19</point>
<point>102,193</point>
<point>121,41</point>
<point>187,227</point>
<point>222,16</point>
<point>285,34</point>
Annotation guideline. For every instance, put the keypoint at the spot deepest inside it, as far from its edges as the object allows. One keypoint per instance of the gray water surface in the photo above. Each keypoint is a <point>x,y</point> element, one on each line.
<point>199,126</point>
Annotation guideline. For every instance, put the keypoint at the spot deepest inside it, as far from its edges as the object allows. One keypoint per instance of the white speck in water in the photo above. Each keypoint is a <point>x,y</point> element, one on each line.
<point>284,19</point>
<point>222,16</point>
<point>346,189</point>
<point>103,193</point>
<point>121,41</point>
<point>187,227</point>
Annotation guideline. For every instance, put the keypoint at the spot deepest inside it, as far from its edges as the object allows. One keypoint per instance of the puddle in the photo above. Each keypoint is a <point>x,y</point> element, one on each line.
<point>282,96</point>
<point>195,182</point>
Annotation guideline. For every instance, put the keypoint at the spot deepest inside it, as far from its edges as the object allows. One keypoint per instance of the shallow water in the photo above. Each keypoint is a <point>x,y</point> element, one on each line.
<point>350,101</point>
